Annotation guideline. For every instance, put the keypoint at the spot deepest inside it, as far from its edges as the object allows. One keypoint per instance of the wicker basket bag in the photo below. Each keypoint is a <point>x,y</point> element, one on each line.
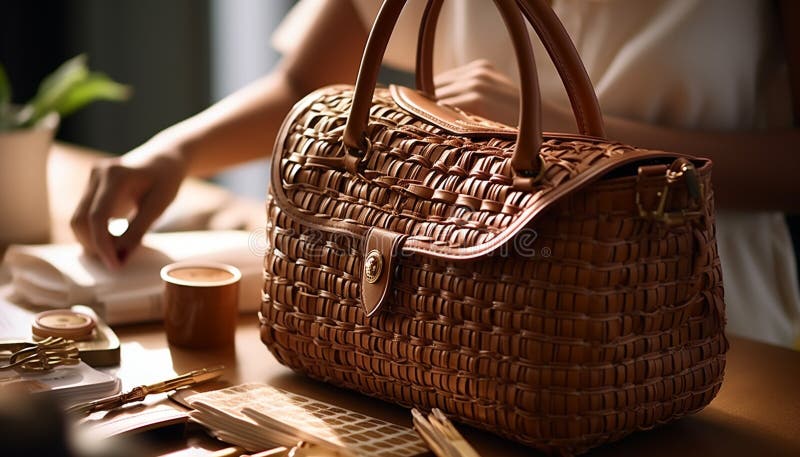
<point>561,290</point>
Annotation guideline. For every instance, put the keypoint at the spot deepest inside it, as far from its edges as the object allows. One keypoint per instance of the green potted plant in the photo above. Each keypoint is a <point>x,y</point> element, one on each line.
<point>26,134</point>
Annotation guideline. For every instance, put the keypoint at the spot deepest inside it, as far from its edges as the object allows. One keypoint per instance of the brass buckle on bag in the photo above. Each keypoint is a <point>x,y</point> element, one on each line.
<point>680,169</point>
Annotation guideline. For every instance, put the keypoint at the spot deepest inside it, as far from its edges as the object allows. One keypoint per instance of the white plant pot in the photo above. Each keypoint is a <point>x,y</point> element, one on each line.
<point>24,207</point>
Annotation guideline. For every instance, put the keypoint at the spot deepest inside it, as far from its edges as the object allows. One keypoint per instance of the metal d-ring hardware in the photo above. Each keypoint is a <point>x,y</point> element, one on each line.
<point>525,179</point>
<point>688,172</point>
<point>364,146</point>
<point>538,175</point>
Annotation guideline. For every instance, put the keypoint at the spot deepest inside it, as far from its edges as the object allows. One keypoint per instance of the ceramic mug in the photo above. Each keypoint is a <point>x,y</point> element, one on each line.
<point>200,303</point>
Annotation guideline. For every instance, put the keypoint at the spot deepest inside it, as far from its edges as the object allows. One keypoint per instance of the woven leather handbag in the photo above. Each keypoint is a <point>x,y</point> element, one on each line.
<point>561,290</point>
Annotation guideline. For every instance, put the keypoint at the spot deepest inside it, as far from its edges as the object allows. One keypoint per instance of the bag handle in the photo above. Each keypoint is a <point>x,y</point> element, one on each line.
<point>559,47</point>
<point>526,161</point>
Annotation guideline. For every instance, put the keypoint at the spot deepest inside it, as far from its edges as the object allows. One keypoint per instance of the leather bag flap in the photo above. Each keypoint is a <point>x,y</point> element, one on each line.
<point>442,184</point>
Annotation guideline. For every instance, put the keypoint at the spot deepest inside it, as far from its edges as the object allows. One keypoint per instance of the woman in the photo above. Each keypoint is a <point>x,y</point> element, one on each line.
<point>704,77</point>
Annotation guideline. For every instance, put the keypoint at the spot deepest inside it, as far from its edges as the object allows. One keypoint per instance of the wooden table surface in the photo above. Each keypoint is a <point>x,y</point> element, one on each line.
<point>757,411</point>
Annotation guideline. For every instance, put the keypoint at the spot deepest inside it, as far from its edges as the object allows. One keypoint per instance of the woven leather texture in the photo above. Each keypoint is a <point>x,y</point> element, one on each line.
<point>590,321</point>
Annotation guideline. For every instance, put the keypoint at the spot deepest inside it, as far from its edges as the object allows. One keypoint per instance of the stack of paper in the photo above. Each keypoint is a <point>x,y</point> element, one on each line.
<point>61,275</point>
<point>258,417</point>
<point>69,385</point>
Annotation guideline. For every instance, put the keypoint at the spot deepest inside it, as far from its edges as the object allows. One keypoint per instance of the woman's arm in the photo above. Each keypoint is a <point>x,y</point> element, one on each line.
<point>140,184</point>
<point>753,170</point>
<point>243,126</point>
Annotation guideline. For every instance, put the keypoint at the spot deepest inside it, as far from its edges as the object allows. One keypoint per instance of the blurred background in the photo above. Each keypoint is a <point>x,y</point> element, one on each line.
<point>179,56</point>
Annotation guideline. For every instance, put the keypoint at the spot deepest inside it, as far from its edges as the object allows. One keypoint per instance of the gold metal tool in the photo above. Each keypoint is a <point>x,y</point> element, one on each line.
<point>139,393</point>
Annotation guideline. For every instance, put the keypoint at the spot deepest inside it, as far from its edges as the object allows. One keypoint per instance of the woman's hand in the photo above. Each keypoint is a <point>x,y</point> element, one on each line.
<point>137,186</point>
<point>479,88</point>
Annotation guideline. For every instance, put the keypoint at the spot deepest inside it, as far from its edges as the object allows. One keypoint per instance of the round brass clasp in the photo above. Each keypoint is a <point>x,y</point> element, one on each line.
<point>373,265</point>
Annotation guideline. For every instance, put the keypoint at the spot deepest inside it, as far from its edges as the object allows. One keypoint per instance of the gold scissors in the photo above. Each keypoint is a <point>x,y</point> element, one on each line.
<point>39,356</point>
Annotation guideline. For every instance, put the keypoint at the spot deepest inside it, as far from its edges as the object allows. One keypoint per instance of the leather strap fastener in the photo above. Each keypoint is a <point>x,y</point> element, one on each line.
<point>381,247</point>
<point>525,162</point>
<point>558,44</point>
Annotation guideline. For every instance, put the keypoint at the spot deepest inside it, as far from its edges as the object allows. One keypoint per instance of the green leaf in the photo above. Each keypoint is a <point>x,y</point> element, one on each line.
<point>96,86</point>
<point>70,87</point>
<point>55,87</point>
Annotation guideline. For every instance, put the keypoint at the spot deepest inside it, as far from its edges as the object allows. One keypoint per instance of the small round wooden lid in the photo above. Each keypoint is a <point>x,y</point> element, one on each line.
<point>64,323</point>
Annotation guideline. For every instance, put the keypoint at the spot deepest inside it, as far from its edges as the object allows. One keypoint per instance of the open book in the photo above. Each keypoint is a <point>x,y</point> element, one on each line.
<point>61,275</point>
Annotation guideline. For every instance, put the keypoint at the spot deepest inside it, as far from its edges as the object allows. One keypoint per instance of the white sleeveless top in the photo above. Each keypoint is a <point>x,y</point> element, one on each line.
<point>702,64</point>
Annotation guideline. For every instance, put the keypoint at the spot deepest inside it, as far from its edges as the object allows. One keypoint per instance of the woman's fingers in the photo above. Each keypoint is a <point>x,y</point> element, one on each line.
<point>80,218</point>
<point>150,207</point>
<point>138,190</point>
<point>479,88</point>
<point>485,83</point>
<point>110,193</point>
<point>165,173</point>
<point>112,188</point>
<point>454,74</point>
